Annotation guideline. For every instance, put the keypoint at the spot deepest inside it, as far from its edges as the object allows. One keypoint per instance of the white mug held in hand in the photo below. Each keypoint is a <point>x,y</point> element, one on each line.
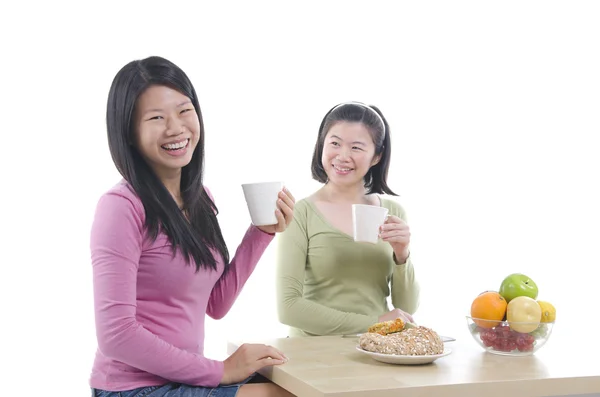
<point>261,199</point>
<point>366,220</point>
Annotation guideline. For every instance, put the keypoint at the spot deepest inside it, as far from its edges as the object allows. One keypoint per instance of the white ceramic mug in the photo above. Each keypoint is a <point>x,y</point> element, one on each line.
<point>261,199</point>
<point>366,220</point>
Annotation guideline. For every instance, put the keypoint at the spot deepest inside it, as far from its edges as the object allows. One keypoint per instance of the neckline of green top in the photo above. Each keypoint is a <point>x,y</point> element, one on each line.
<point>313,206</point>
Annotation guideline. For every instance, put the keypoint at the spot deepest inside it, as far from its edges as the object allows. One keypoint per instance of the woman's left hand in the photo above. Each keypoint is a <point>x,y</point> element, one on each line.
<point>396,232</point>
<point>284,213</point>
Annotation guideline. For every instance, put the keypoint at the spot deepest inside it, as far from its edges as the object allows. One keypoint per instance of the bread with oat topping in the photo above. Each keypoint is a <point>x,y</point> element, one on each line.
<point>418,341</point>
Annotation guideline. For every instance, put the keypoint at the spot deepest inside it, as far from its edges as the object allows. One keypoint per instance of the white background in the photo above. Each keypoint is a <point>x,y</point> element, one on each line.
<point>494,115</point>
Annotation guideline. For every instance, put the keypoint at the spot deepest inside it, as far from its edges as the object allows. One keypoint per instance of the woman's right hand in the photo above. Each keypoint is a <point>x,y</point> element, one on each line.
<point>248,359</point>
<point>394,314</point>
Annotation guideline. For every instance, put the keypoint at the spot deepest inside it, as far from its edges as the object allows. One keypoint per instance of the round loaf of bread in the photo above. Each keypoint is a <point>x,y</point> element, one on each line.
<point>418,341</point>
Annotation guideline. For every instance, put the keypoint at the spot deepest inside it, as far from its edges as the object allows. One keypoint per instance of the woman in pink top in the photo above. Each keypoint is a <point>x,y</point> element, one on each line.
<point>160,263</point>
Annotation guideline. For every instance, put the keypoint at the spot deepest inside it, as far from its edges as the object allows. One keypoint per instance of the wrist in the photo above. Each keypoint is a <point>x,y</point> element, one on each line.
<point>262,230</point>
<point>401,256</point>
<point>225,378</point>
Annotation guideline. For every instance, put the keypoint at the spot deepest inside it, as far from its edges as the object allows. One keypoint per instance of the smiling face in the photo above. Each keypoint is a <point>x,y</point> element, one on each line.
<point>348,153</point>
<point>167,129</point>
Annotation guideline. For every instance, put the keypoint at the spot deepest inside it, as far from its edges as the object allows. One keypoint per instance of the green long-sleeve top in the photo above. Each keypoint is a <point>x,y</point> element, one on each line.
<point>328,284</point>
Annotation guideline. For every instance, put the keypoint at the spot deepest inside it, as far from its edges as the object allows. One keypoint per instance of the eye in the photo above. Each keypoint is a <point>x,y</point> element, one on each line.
<point>156,118</point>
<point>335,144</point>
<point>187,110</point>
<point>356,148</point>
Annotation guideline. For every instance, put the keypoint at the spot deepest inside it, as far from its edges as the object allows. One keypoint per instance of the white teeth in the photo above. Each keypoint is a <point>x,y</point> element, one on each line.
<point>342,169</point>
<point>175,146</point>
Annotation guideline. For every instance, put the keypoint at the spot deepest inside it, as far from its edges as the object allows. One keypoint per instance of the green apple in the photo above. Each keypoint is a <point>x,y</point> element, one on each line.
<point>518,284</point>
<point>523,314</point>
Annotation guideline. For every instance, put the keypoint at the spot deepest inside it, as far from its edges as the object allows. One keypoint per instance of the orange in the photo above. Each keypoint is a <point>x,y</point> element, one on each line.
<point>489,305</point>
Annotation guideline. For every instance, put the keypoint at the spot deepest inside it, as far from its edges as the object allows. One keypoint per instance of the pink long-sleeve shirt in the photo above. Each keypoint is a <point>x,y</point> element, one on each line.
<point>150,306</point>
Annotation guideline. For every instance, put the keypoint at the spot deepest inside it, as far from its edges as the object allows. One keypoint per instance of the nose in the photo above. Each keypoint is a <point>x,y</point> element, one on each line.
<point>343,155</point>
<point>174,126</point>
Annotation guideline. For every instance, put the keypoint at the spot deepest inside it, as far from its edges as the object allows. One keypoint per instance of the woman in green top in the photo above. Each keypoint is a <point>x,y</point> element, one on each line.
<point>327,284</point>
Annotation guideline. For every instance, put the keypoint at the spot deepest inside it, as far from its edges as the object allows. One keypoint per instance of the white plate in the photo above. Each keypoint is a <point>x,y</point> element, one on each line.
<point>405,360</point>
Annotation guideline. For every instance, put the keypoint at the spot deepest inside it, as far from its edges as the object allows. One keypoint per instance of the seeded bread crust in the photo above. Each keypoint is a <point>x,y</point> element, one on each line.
<point>418,341</point>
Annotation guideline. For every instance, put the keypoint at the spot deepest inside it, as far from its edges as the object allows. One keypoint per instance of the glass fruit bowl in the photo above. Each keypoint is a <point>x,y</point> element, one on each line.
<point>509,339</point>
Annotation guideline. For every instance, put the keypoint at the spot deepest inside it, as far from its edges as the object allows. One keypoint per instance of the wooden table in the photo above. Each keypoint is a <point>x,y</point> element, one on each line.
<point>330,366</point>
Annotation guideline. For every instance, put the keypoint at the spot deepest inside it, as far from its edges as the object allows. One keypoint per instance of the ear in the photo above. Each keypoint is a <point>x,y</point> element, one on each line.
<point>375,160</point>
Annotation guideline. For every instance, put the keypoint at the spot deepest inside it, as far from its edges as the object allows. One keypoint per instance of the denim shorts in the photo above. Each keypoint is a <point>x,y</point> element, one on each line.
<point>174,390</point>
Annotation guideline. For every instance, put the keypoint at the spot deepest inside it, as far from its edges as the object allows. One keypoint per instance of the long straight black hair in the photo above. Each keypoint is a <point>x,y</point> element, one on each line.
<point>193,236</point>
<point>372,118</point>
